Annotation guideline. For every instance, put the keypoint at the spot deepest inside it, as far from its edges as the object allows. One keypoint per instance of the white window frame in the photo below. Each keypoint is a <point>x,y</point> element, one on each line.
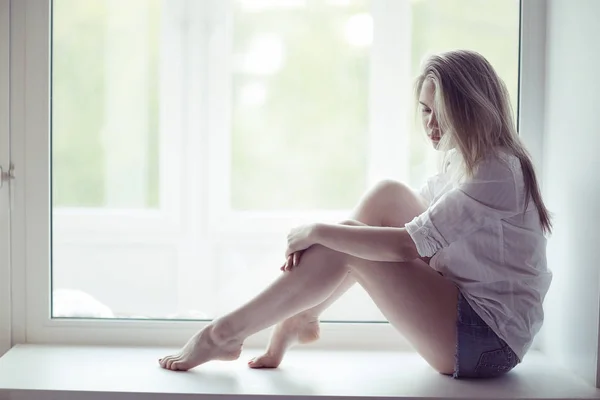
<point>5,289</point>
<point>30,116</point>
<point>532,78</point>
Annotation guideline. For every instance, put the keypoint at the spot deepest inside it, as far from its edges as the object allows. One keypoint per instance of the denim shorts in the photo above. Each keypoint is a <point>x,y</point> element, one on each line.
<point>480,353</point>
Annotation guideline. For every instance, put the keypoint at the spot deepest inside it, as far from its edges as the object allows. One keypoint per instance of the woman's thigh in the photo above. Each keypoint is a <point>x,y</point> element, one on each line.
<point>417,301</point>
<point>420,303</point>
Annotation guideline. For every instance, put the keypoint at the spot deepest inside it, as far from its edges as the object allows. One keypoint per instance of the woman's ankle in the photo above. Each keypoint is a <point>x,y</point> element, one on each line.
<point>223,332</point>
<point>307,316</point>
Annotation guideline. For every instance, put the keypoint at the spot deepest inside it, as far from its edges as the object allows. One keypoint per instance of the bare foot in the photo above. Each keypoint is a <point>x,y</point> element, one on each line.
<point>202,347</point>
<point>298,329</point>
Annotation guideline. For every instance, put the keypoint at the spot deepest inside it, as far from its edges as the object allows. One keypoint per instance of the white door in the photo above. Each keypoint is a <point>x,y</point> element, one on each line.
<point>5,307</point>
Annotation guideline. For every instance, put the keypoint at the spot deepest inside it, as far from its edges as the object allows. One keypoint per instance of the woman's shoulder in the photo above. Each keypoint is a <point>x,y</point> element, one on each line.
<point>501,161</point>
<point>500,165</point>
<point>507,156</point>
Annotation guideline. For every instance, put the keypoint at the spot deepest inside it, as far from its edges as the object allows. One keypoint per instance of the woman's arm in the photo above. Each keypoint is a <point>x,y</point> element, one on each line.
<point>367,242</point>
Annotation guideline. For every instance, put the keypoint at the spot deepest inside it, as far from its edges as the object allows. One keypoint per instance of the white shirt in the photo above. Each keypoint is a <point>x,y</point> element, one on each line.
<point>479,237</point>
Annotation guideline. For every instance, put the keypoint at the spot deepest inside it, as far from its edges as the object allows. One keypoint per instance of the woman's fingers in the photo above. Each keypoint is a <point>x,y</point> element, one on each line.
<point>292,260</point>
<point>288,263</point>
<point>296,258</point>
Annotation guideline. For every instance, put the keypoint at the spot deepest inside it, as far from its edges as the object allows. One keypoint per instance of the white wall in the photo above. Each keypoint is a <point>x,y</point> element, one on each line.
<point>572,182</point>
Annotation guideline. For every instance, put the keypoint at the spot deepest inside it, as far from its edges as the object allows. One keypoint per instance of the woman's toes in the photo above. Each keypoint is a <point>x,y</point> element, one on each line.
<point>164,361</point>
<point>254,363</point>
<point>263,361</point>
<point>170,362</point>
<point>180,366</point>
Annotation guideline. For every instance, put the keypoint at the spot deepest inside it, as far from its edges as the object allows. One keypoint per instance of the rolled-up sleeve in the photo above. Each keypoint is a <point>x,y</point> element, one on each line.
<point>489,196</point>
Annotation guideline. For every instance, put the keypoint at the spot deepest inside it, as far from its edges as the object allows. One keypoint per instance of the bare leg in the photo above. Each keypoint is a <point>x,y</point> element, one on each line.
<point>415,299</point>
<point>300,328</point>
<point>401,206</point>
<point>294,291</point>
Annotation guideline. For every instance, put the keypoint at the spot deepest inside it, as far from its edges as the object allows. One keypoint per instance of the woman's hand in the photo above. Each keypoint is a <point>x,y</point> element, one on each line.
<point>299,239</point>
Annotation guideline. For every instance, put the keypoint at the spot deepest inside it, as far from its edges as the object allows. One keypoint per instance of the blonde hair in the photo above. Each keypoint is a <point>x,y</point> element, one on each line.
<point>473,111</point>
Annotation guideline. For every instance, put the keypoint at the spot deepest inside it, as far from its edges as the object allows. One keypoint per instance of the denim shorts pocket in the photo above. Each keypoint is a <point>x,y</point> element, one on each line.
<point>496,362</point>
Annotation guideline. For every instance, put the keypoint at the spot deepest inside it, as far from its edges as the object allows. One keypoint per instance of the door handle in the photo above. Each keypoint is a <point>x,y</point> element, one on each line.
<point>7,176</point>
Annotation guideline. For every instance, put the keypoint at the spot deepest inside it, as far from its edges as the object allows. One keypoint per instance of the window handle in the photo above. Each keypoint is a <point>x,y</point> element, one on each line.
<point>7,176</point>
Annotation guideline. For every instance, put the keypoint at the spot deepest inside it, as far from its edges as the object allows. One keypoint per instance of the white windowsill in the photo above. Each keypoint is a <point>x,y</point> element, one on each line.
<point>85,372</point>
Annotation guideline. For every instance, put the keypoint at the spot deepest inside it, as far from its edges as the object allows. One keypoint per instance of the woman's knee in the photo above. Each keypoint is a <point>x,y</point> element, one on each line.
<point>389,202</point>
<point>383,192</point>
<point>389,188</point>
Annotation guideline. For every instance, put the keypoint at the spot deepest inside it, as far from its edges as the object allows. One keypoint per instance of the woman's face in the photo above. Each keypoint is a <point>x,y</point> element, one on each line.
<point>428,113</point>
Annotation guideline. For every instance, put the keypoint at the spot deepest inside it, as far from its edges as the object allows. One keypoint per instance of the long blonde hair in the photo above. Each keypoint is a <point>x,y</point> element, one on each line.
<point>474,112</point>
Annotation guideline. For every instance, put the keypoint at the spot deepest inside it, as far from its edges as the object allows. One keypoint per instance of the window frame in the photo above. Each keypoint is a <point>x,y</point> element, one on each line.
<point>31,239</point>
<point>5,301</point>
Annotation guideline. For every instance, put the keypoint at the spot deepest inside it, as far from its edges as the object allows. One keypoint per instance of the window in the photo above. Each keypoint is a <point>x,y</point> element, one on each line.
<point>188,137</point>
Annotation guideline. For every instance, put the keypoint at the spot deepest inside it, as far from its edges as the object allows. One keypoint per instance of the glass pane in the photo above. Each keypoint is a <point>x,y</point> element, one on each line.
<point>300,97</point>
<point>104,103</point>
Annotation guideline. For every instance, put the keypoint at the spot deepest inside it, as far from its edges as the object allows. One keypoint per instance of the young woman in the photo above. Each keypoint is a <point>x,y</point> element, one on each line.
<point>459,268</point>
